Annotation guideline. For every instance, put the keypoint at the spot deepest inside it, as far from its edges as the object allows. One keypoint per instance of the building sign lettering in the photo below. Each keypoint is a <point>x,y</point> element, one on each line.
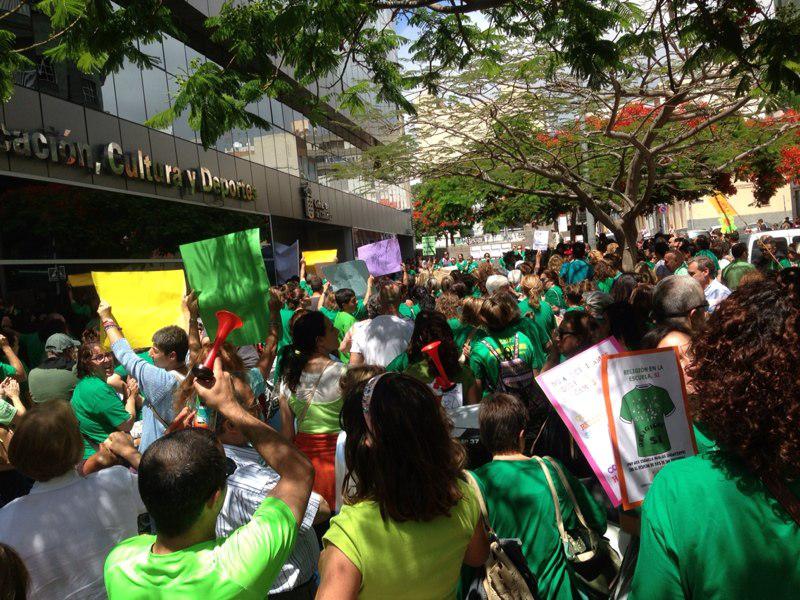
<point>110,158</point>
<point>314,208</point>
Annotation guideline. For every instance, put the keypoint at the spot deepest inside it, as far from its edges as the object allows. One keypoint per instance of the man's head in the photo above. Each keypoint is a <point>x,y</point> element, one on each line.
<point>170,345</point>
<point>703,270</point>
<point>680,300</point>
<point>502,420</point>
<point>390,296</point>
<point>315,283</point>
<point>739,251</point>
<point>660,249</point>
<point>673,260</point>
<point>703,243</point>
<point>495,283</point>
<point>578,250</point>
<point>182,481</point>
<point>346,300</point>
<point>60,345</point>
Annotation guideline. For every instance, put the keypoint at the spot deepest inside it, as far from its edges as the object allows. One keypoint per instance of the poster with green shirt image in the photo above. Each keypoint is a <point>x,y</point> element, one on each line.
<point>648,418</point>
<point>227,272</point>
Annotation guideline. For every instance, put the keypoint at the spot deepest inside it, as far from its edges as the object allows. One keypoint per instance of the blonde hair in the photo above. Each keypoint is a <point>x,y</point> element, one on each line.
<point>533,286</point>
<point>554,263</point>
<point>595,256</point>
<point>471,311</point>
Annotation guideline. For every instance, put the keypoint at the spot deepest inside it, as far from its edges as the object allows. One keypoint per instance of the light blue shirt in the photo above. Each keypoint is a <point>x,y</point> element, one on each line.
<point>576,271</point>
<point>715,293</point>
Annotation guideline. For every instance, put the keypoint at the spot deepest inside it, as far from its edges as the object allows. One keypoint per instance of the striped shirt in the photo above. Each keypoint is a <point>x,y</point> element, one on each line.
<point>247,487</point>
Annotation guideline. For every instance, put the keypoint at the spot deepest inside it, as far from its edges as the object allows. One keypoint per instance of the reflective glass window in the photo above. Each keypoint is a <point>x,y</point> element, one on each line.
<point>156,97</point>
<point>130,100</point>
<point>174,55</point>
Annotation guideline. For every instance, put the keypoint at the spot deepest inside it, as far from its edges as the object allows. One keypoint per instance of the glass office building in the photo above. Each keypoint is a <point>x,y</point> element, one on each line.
<point>83,183</point>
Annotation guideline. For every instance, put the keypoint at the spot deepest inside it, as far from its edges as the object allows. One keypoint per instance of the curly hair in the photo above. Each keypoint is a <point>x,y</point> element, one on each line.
<point>449,305</point>
<point>746,376</point>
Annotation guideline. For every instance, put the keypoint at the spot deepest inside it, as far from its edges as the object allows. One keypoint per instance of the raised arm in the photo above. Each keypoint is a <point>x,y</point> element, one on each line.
<point>13,359</point>
<point>368,293</point>
<point>275,331</point>
<point>193,310</point>
<point>295,470</point>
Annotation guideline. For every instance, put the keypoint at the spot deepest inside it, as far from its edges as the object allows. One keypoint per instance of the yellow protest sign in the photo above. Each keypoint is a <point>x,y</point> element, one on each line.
<point>80,280</point>
<point>315,257</point>
<point>142,301</point>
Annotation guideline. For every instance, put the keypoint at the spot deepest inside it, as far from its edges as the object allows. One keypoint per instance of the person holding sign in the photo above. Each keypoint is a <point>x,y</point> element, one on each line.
<point>726,522</point>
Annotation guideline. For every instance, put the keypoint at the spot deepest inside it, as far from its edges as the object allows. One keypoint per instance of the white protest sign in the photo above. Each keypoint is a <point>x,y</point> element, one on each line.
<point>575,390</point>
<point>648,417</point>
<point>540,239</point>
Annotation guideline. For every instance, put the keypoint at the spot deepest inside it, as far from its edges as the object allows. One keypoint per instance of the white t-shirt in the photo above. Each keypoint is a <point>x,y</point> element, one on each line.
<point>383,339</point>
<point>64,529</point>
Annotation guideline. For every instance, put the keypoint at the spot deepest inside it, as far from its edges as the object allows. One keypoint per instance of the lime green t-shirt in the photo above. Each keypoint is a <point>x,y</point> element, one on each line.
<point>520,506</point>
<point>321,415</point>
<point>486,368</point>
<point>329,312</point>
<point>242,565</point>
<point>412,559</point>
<point>343,322</point>
<point>99,411</point>
<point>420,370</point>
<point>711,530</point>
<point>646,406</point>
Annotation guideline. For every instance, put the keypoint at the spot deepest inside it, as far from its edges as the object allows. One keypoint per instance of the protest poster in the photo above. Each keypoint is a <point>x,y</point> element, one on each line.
<point>541,239</point>
<point>575,390</point>
<point>648,417</point>
<point>142,301</point>
<point>457,249</point>
<point>287,261</point>
<point>352,274</point>
<point>80,280</point>
<point>428,245</point>
<point>227,272</point>
<point>316,257</point>
<point>382,257</point>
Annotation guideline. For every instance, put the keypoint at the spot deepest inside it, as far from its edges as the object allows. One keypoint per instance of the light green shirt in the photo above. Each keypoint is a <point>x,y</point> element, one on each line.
<point>99,411</point>
<point>412,559</point>
<point>7,412</point>
<point>343,322</point>
<point>243,565</point>
<point>320,413</point>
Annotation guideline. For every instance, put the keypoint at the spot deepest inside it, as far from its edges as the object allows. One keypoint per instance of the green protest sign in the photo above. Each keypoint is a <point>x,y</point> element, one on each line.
<point>428,245</point>
<point>227,272</point>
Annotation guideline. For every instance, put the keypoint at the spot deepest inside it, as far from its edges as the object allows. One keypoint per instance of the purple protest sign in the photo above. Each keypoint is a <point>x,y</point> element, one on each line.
<point>382,257</point>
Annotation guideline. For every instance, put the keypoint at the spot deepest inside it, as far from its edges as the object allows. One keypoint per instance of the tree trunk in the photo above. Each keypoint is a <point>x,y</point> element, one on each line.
<point>573,225</point>
<point>627,235</point>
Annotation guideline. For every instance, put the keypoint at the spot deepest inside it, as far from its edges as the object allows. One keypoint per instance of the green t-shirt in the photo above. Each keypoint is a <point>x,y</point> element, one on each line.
<point>52,384</point>
<point>605,285</point>
<point>34,348</point>
<point>242,565</point>
<point>571,308</point>
<point>461,333</point>
<point>711,256</point>
<point>343,322</point>
<point>520,506</point>
<point>361,311</point>
<point>421,371</point>
<point>99,411</point>
<point>329,312</point>
<point>303,285</point>
<point>6,370</point>
<point>321,415</point>
<point>7,411</point>
<point>542,316</point>
<point>734,272</point>
<point>408,312</point>
<point>412,559</point>
<point>486,367</point>
<point>711,530</point>
<point>286,335</point>
<point>646,406</point>
<point>682,270</point>
<point>555,297</point>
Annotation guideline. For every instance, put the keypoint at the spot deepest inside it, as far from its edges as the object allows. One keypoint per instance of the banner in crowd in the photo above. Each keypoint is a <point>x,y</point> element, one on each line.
<point>726,212</point>
<point>457,249</point>
<point>142,301</point>
<point>227,272</point>
<point>316,257</point>
<point>80,280</point>
<point>541,239</point>
<point>575,388</point>
<point>352,274</point>
<point>287,261</point>
<point>382,257</point>
<point>428,245</point>
<point>648,417</point>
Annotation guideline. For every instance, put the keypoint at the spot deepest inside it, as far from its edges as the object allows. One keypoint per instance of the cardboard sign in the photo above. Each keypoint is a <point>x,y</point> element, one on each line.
<point>575,390</point>
<point>541,238</point>
<point>314,257</point>
<point>227,272</point>
<point>80,280</point>
<point>142,301</point>
<point>648,417</point>
<point>428,245</point>
<point>287,261</point>
<point>457,249</point>
<point>382,257</point>
<point>352,274</point>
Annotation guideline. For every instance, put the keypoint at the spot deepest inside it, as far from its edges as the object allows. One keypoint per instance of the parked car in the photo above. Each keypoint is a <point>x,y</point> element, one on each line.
<point>782,238</point>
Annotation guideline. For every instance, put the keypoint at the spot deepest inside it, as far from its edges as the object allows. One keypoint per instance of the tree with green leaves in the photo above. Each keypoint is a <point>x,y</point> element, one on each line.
<point>671,120</point>
<point>260,41</point>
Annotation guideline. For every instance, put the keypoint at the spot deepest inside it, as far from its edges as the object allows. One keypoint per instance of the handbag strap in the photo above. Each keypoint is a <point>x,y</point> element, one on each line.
<point>314,392</point>
<point>568,487</point>
<point>559,520</point>
<point>481,503</point>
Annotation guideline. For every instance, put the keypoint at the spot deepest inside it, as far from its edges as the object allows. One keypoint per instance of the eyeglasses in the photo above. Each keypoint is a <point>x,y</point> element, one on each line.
<point>99,357</point>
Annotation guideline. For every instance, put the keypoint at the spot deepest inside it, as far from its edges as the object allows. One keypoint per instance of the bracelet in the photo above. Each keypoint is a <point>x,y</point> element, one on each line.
<point>109,324</point>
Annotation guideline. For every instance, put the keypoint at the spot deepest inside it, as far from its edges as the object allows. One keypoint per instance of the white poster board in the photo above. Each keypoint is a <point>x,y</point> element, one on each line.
<point>575,390</point>
<point>648,417</point>
<point>541,238</point>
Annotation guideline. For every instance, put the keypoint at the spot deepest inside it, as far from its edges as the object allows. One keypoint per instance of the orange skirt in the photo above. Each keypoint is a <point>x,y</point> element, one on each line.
<point>320,448</point>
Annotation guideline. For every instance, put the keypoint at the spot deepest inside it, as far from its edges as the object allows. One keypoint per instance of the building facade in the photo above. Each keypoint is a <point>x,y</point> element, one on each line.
<point>84,184</point>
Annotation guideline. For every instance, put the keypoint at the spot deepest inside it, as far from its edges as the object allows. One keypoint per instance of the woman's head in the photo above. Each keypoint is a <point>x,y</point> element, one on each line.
<point>471,311</point>
<point>449,305</point>
<point>293,295</point>
<point>576,333</point>
<point>14,577</point>
<point>550,278</point>
<point>603,270</point>
<point>430,326</point>
<point>399,452</point>
<point>502,420</point>
<point>94,360</point>
<point>312,333</point>
<point>644,274</point>
<point>533,286</point>
<point>47,441</point>
<point>498,311</point>
<point>623,287</point>
<point>746,375</point>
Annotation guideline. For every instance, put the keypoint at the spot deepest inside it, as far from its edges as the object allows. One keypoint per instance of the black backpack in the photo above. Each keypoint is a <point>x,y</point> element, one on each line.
<point>515,376</point>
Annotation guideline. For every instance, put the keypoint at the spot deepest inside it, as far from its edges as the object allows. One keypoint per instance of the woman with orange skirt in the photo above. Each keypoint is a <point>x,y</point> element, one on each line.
<point>310,396</point>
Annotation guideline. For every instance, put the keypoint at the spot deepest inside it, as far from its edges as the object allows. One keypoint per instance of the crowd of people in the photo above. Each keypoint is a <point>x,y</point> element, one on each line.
<point>322,462</point>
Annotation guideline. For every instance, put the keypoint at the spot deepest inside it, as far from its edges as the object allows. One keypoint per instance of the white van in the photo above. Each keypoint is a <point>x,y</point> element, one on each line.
<point>783,238</point>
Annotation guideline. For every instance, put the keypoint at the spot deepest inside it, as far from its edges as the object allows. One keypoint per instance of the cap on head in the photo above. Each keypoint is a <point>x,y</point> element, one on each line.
<point>58,343</point>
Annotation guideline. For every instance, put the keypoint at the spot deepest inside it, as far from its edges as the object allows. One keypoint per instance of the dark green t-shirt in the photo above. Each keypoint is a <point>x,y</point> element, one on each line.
<point>646,406</point>
<point>555,297</point>
<point>542,316</point>
<point>486,367</point>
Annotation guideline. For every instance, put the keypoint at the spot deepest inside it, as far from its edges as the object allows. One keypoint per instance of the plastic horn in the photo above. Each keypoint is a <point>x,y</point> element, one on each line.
<point>442,381</point>
<point>226,322</point>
